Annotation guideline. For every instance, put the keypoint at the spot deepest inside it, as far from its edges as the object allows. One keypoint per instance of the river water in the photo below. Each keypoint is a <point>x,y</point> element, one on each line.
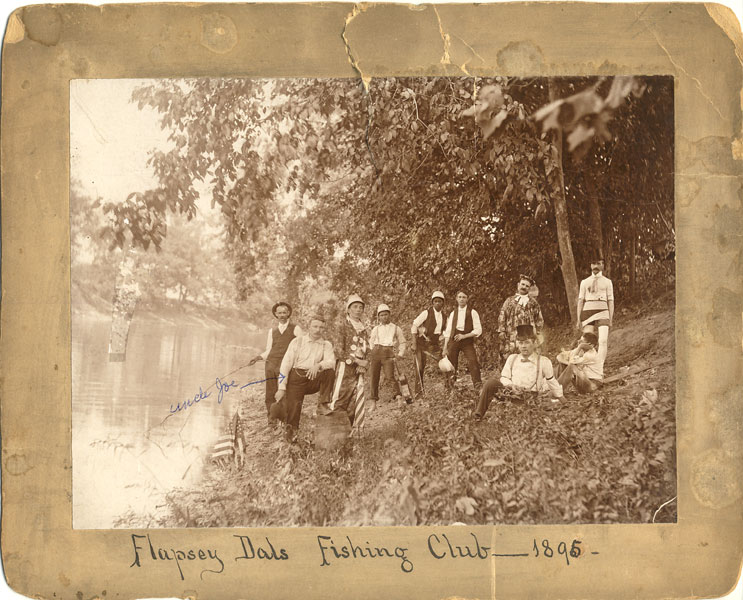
<point>127,447</point>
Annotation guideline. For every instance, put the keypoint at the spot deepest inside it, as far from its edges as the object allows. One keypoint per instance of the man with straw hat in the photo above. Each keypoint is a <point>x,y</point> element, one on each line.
<point>277,343</point>
<point>428,329</point>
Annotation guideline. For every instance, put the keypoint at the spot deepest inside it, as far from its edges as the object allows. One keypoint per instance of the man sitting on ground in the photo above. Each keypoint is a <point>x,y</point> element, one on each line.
<point>525,372</point>
<point>583,365</point>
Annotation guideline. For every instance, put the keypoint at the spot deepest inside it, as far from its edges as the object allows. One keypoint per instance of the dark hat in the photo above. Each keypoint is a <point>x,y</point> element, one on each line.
<point>591,338</point>
<point>596,258</point>
<point>524,332</point>
<point>275,306</point>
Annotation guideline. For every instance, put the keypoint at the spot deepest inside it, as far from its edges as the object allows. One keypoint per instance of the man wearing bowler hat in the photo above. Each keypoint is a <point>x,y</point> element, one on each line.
<point>522,373</point>
<point>278,340</point>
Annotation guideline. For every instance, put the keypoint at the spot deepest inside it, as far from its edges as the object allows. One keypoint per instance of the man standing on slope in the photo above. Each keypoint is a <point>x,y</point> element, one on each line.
<point>519,309</point>
<point>428,329</point>
<point>277,342</point>
<point>596,305</point>
<point>462,328</point>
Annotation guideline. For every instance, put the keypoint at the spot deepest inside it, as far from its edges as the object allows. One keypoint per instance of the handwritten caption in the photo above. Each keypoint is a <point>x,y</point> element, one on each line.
<point>332,552</point>
<point>222,388</point>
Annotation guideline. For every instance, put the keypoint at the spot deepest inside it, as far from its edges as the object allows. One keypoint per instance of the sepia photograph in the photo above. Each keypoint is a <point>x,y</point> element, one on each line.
<point>390,301</point>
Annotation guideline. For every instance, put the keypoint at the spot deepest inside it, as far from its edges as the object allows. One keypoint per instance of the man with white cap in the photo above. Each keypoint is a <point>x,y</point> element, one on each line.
<point>428,328</point>
<point>383,339</point>
<point>350,348</point>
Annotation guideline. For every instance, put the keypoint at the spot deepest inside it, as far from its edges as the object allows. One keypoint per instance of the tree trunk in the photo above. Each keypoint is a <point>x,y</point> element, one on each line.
<point>632,258</point>
<point>567,262</point>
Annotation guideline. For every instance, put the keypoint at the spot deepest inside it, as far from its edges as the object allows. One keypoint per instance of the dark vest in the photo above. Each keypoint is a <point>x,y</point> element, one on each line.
<point>279,344</point>
<point>468,327</point>
<point>430,324</point>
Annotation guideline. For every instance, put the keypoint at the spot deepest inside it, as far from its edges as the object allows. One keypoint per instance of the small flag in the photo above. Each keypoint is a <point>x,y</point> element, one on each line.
<point>360,406</point>
<point>230,445</point>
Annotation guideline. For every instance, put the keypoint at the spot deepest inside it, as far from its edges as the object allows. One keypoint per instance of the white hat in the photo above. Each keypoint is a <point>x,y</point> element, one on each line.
<point>353,298</point>
<point>382,307</point>
<point>445,365</point>
<point>437,294</point>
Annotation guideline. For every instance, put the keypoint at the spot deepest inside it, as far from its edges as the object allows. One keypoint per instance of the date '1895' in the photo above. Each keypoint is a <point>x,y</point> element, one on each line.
<point>562,549</point>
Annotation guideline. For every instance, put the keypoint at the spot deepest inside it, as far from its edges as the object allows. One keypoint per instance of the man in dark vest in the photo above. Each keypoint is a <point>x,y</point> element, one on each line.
<point>462,328</point>
<point>276,345</point>
<point>428,329</point>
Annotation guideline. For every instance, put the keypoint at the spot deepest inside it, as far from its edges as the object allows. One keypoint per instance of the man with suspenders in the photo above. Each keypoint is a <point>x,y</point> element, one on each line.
<point>522,373</point>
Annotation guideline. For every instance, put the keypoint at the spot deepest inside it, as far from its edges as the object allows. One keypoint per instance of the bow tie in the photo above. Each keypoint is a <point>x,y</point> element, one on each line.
<point>525,359</point>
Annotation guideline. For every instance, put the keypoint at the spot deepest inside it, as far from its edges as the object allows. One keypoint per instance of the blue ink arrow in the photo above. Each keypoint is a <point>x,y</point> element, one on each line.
<point>281,378</point>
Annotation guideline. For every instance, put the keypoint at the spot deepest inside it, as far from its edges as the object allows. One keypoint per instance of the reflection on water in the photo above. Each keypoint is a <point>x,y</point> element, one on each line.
<point>127,448</point>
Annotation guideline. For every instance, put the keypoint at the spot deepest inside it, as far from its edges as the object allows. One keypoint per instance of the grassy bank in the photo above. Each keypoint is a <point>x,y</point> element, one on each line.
<point>608,457</point>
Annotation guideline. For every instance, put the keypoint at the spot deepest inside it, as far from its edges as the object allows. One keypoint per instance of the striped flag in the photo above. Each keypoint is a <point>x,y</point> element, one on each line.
<point>360,406</point>
<point>230,445</point>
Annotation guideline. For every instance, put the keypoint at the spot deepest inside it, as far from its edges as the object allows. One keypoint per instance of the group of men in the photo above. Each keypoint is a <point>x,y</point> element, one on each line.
<point>312,364</point>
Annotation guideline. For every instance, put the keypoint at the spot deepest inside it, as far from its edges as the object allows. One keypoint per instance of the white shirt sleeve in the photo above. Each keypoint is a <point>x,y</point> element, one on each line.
<point>582,292</point>
<point>400,341</point>
<point>609,290</point>
<point>288,361</point>
<point>476,326</point>
<point>505,374</point>
<point>298,331</point>
<point>374,337</point>
<point>419,320</point>
<point>450,323</point>
<point>269,344</point>
<point>549,377</point>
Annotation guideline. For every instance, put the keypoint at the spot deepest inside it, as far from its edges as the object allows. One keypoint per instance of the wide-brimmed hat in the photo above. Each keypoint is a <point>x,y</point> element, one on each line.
<point>275,306</point>
<point>525,332</point>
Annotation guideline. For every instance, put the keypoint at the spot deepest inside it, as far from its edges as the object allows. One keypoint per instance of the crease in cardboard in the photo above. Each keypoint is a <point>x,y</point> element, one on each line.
<point>355,12</point>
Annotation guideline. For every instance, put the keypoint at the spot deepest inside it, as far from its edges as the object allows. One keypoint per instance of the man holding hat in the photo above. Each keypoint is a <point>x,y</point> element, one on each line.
<point>522,373</point>
<point>383,339</point>
<point>519,309</point>
<point>596,304</point>
<point>308,366</point>
<point>428,328</point>
<point>277,342</point>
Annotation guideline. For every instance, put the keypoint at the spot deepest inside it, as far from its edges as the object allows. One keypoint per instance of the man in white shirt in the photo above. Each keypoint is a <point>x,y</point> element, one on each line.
<point>428,329</point>
<point>309,367</point>
<point>384,337</point>
<point>596,305</point>
<point>277,342</point>
<point>584,368</point>
<point>522,373</point>
<point>462,328</point>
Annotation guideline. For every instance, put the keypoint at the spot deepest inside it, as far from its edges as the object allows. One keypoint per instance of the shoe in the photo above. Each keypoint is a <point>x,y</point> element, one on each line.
<point>290,434</point>
<point>372,406</point>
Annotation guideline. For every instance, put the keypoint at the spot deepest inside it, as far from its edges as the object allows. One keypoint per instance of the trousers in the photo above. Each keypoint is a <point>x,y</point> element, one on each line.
<point>382,359</point>
<point>467,347</point>
<point>298,385</point>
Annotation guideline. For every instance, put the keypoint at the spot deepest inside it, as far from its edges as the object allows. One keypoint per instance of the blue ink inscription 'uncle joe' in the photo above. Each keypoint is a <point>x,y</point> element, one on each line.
<point>222,387</point>
<point>141,554</point>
